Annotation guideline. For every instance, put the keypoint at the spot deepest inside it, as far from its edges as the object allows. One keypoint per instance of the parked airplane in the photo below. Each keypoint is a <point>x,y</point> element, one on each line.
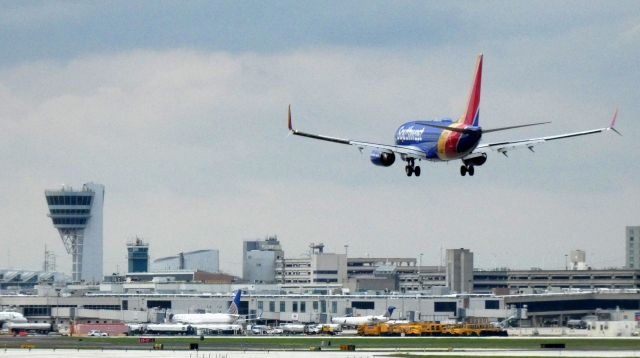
<point>10,316</point>
<point>15,321</point>
<point>360,320</point>
<point>446,140</point>
<point>198,318</point>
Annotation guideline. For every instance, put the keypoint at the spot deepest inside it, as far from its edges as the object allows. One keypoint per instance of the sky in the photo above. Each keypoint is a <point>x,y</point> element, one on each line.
<point>179,109</point>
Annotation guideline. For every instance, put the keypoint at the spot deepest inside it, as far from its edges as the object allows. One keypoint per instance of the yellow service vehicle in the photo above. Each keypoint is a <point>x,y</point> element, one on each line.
<point>369,330</point>
<point>430,329</point>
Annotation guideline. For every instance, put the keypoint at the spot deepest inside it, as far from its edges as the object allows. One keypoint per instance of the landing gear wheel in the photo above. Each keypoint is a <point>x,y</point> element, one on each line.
<point>470,170</point>
<point>417,171</point>
<point>409,170</point>
<point>463,170</point>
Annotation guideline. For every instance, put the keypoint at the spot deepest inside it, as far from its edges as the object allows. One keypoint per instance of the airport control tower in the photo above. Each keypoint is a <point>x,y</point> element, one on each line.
<point>137,256</point>
<point>78,217</point>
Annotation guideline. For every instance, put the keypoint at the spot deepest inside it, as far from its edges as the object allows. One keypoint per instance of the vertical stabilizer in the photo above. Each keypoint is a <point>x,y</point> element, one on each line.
<point>235,304</point>
<point>472,115</point>
<point>389,311</point>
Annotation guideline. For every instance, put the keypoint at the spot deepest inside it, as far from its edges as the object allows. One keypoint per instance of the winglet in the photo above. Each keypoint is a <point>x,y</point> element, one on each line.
<point>613,122</point>
<point>290,126</point>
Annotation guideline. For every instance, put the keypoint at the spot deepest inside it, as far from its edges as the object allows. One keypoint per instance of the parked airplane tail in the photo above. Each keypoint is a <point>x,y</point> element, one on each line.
<point>472,115</point>
<point>235,304</point>
<point>389,311</point>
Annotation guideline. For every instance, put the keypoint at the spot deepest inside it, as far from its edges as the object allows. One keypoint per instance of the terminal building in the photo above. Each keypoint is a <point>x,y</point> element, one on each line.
<point>308,307</point>
<point>104,304</point>
<point>77,215</point>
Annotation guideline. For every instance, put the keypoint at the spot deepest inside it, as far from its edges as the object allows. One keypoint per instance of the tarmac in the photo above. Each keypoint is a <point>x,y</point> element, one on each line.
<point>72,353</point>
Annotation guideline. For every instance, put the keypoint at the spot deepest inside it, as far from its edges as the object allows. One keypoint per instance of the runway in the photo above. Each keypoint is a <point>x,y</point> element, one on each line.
<point>71,353</point>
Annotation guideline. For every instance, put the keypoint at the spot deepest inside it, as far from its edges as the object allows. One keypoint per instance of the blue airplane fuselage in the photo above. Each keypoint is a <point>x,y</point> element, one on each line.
<point>437,143</point>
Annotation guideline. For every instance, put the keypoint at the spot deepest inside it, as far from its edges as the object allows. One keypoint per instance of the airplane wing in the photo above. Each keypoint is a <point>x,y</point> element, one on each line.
<point>406,151</point>
<point>505,146</point>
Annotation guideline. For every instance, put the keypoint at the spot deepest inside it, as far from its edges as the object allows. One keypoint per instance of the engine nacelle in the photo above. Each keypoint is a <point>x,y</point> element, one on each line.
<point>477,160</point>
<point>382,158</point>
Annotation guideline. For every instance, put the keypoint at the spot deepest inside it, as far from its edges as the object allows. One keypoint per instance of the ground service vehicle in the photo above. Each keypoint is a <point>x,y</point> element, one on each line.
<point>95,333</point>
<point>431,329</point>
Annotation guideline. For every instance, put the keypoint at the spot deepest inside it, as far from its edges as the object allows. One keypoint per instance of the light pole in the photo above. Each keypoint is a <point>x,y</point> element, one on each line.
<point>346,250</point>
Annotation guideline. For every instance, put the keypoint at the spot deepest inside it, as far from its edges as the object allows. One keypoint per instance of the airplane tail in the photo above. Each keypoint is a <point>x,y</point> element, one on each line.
<point>472,115</point>
<point>389,311</point>
<point>235,304</point>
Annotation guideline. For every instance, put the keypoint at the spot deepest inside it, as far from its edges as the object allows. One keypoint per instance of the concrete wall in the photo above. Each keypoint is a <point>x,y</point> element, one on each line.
<point>259,266</point>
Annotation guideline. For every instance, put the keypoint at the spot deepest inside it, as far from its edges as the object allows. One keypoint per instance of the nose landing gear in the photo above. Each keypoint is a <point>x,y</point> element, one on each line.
<point>411,168</point>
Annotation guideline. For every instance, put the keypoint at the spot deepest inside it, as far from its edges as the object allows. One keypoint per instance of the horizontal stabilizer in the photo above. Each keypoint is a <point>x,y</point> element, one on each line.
<point>512,127</point>
<point>453,129</point>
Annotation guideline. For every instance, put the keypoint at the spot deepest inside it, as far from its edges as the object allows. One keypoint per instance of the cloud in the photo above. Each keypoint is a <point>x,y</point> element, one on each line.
<point>192,148</point>
<point>41,14</point>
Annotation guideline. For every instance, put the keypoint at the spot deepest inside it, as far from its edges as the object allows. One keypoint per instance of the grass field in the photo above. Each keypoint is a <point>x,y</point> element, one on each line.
<point>302,343</point>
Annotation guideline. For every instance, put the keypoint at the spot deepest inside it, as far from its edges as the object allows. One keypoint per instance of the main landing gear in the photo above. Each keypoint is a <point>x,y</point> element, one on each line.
<point>469,163</point>
<point>467,168</point>
<point>411,168</point>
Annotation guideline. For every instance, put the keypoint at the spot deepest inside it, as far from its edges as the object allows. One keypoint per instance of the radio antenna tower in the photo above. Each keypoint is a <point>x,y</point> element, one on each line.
<point>49,261</point>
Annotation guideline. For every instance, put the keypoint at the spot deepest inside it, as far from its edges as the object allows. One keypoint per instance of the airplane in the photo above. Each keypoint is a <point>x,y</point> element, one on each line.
<point>447,140</point>
<point>11,316</point>
<point>360,320</point>
<point>15,321</point>
<point>199,318</point>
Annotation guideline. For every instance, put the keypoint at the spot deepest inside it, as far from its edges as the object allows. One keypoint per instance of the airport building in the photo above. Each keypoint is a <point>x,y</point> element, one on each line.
<point>14,282</point>
<point>110,307</point>
<point>578,260</point>
<point>554,309</point>
<point>259,259</point>
<point>320,286</point>
<point>137,256</point>
<point>632,247</point>
<point>459,270</point>
<point>400,274</point>
<point>128,302</point>
<point>202,260</point>
<point>77,215</point>
<point>319,267</point>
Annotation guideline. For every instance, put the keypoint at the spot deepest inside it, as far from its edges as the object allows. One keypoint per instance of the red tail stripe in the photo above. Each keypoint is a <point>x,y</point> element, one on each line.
<point>474,97</point>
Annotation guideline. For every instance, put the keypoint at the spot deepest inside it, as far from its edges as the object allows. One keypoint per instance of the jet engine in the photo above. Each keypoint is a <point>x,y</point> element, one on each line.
<point>382,158</point>
<point>476,160</point>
